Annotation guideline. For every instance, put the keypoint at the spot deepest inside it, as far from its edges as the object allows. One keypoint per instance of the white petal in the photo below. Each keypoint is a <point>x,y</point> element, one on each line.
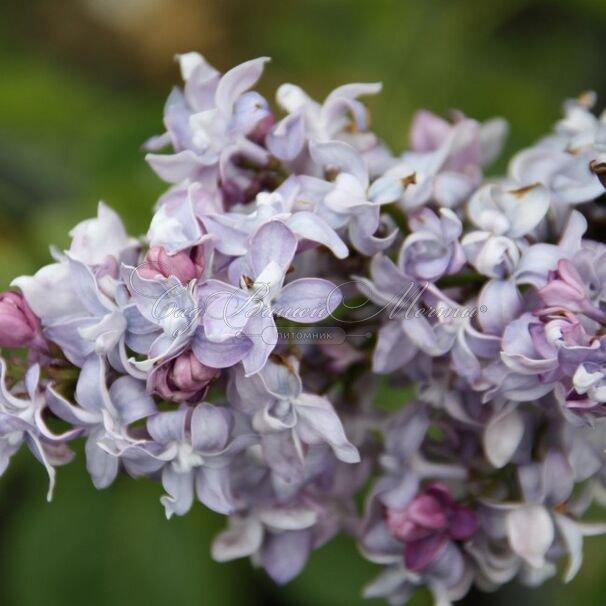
<point>243,538</point>
<point>531,533</point>
<point>502,437</point>
<point>50,293</point>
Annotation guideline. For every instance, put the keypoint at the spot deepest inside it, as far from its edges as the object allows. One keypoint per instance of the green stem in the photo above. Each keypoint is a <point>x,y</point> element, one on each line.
<point>399,217</point>
<point>464,279</point>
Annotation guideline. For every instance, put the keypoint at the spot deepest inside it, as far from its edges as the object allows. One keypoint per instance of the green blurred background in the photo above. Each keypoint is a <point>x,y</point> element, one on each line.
<point>82,86</point>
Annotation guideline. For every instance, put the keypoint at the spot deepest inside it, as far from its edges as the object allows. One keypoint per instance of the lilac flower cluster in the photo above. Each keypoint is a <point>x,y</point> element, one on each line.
<point>484,298</point>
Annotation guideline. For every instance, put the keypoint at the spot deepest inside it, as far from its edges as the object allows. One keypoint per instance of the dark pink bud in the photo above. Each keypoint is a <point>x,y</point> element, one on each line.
<point>421,553</point>
<point>183,379</point>
<point>184,266</point>
<point>431,519</point>
<point>19,326</point>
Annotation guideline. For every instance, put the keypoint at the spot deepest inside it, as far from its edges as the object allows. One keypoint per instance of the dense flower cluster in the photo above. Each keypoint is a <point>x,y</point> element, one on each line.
<point>486,298</point>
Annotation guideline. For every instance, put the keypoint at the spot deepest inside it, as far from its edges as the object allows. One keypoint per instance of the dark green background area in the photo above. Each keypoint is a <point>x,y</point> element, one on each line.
<point>82,85</point>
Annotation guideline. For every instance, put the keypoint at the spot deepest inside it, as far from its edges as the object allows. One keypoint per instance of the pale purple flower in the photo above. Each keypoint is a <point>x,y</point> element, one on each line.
<point>94,240</point>
<point>579,127</point>
<point>433,249</point>
<point>288,419</point>
<point>103,414</point>
<point>98,245</point>
<point>193,447</point>
<point>22,422</point>
<point>175,226</point>
<point>164,318</point>
<point>281,537</point>
<point>324,122</point>
<point>210,123</point>
<point>492,256</point>
<point>503,214</point>
<point>232,230</point>
<point>80,300</point>
<point>354,201</point>
<point>445,161</point>
<point>566,174</point>
<point>428,132</point>
<point>446,327</point>
<point>532,529</point>
<point>230,311</point>
<point>539,259</point>
<point>100,328</point>
<point>51,294</point>
<point>506,210</point>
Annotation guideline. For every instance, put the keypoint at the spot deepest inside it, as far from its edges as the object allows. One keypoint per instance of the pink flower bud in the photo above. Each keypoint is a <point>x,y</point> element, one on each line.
<point>428,131</point>
<point>565,291</point>
<point>183,379</point>
<point>430,520</point>
<point>262,129</point>
<point>19,326</point>
<point>185,266</point>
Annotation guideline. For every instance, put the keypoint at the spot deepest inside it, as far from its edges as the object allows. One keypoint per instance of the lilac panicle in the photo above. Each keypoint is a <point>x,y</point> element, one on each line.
<point>296,267</point>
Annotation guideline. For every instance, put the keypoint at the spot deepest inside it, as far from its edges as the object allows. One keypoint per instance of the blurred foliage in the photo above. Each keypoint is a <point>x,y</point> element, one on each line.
<point>83,84</point>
